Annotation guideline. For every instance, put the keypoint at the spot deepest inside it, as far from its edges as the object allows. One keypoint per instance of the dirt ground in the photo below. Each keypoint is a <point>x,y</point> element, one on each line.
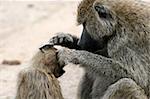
<point>24,27</point>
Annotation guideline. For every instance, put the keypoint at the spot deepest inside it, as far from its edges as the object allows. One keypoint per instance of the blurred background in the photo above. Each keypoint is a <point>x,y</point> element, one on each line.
<point>24,26</point>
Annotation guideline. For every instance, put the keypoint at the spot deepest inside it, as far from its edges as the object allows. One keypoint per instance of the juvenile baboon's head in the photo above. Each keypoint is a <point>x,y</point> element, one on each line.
<point>46,59</point>
<point>109,21</point>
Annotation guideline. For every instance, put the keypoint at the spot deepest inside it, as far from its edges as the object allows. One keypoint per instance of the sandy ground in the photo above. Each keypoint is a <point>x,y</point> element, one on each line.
<point>24,27</point>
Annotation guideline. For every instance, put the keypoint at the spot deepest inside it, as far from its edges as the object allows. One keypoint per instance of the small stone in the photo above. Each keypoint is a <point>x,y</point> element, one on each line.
<point>11,62</point>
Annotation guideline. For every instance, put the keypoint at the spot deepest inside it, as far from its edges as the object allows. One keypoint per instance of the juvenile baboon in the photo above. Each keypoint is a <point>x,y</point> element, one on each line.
<point>39,80</point>
<point>114,45</point>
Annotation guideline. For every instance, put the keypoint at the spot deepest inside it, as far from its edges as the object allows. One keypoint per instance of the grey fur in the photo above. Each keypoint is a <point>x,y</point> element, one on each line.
<point>128,49</point>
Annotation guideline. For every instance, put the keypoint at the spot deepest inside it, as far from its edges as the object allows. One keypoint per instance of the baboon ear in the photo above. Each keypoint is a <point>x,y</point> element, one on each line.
<point>103,11</point>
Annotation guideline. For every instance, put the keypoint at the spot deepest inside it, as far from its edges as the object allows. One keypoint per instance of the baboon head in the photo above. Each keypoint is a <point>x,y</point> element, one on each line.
<point>109,21</point>
<point>46,59</point>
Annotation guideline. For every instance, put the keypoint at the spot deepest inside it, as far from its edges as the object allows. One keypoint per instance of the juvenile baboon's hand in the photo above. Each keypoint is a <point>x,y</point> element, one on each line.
<point>61,39</point>
<point>66,56</point>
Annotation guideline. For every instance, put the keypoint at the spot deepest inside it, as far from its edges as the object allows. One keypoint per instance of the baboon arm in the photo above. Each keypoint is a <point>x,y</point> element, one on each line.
<point>112,68</point>
<point>102,65</point>
<point>94,62</point>
<point>131,66</point>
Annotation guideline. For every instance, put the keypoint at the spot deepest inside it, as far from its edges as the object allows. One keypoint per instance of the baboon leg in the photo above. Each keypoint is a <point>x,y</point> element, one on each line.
<point>125,88</point>
<point>85,88</point>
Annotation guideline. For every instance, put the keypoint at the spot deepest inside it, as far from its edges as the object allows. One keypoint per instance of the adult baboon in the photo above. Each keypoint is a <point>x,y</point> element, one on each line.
<point>39,81</point>
<point>116,39</point>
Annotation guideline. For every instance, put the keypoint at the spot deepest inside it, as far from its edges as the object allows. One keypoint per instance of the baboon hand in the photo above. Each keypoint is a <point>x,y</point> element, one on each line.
<point>61,39</point>
<point>66,56</point>
<point>45,47</point>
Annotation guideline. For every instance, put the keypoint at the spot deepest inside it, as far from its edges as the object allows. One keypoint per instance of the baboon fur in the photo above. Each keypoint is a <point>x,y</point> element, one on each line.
<point>131,24</point>
<point>125,89</point>
<point>119,30</point>
<point>39,80</point>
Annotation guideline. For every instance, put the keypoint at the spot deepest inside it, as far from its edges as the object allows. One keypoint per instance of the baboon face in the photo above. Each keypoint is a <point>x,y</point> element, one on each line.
<point>54,66</point>
<point>58,71</point>
<point>98,25</point>
<point>50,60</point>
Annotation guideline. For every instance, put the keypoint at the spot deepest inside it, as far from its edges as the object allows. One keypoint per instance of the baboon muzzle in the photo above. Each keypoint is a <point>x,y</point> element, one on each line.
<point>88,43</point>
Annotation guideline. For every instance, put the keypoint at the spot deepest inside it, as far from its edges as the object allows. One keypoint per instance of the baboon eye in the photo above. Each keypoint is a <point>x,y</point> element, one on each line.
<point>102,11</point>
